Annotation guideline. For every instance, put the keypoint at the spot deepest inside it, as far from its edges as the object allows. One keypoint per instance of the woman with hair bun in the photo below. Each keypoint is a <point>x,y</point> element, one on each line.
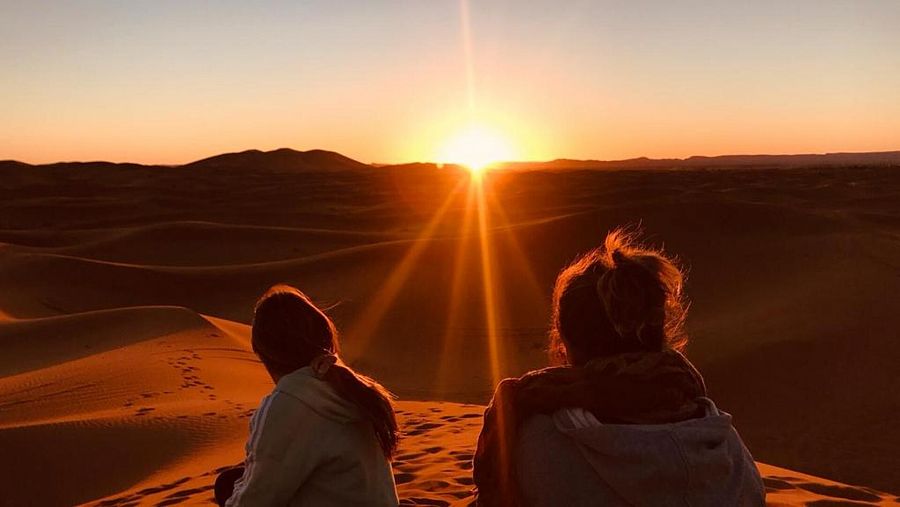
<point>623,419</point>
<point>325,434</point>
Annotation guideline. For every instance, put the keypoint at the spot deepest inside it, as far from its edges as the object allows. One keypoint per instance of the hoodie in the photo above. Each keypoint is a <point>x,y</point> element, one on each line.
<point>569,458</point>
<point>660,387</point>
<point>308,446</point>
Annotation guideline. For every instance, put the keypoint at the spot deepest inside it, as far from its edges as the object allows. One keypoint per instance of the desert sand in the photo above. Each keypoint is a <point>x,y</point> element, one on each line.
<point>126,378</point>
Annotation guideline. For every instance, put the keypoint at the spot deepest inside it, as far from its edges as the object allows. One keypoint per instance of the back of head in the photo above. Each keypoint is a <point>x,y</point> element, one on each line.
<point>618,298</point>
<point>290,332</point>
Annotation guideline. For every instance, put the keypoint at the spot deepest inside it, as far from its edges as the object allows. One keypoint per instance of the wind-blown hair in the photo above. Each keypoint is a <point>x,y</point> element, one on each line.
<point>289,332</point>
<point>618,298</point>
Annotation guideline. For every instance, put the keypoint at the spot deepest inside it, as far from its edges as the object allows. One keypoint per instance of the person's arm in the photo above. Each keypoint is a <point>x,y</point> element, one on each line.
<point>493,470</point>
<point>281,453</point>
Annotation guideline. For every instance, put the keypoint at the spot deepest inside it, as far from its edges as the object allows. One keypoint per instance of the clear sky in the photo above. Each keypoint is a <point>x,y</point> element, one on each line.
<point>162,81</point>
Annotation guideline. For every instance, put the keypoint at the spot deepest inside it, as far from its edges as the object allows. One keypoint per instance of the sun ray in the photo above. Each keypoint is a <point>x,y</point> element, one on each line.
<point>460,270</point>
<point>517,254</point>
<point>488,285</point>
<point>367,324</point>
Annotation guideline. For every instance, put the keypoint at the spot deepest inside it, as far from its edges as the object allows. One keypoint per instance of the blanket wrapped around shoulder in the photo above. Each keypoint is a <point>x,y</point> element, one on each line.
<point>635,388</point>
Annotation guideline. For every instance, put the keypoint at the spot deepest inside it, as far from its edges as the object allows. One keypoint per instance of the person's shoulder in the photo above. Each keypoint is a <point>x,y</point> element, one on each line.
<point>305,393</point>
<point>533,378</point>
<point>279,422</point>
<point>536,426</point>
<point>280,409</point>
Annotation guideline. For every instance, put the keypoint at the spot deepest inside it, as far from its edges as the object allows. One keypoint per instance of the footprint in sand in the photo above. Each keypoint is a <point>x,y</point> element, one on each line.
<point>144,411</point>
<point>840,495</point>
<point>847,492</point>
<point>465,480</point>
<point>776,484</point>
<point>420,428</point>
<point>183,495</point>
<point>409,456</point>
<point>404,477</point>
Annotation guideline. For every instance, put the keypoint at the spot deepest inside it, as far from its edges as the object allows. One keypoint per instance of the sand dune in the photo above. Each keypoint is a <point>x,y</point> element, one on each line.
<point>125,413</point>
<point>126,292</point>
<point>186,243</point>
<point>37,343</point>
<point>153,422</point>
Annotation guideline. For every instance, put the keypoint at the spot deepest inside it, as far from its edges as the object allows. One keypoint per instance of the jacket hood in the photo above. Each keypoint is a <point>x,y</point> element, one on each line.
<point>318,395</point>
<point>698,461</point>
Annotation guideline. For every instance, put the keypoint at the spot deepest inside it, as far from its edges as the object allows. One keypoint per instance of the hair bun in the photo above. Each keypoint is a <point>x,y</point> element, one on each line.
<point>633,297</point>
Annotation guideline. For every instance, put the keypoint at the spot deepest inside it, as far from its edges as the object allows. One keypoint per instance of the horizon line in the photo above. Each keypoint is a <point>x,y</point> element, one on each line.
<point>436,163</point>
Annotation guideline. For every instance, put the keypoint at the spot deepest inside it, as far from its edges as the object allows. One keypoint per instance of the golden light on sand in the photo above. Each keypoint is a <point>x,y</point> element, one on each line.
<point>477,147</point>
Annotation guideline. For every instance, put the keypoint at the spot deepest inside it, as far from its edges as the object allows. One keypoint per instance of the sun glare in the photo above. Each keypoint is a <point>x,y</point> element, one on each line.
<point>477,148</point>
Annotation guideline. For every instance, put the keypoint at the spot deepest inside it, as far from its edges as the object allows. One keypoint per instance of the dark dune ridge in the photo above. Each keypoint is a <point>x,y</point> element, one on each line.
<point>793,273</point>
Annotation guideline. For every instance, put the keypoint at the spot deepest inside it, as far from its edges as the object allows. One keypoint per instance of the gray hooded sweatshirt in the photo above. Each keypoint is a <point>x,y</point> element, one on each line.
<point>569,459</point>
<point>308,446</point>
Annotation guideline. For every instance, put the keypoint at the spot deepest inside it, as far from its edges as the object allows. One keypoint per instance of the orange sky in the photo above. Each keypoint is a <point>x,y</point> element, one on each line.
<point>170,82</point>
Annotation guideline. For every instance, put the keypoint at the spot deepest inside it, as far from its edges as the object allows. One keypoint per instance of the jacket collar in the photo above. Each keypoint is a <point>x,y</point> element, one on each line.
<point>320,396</point>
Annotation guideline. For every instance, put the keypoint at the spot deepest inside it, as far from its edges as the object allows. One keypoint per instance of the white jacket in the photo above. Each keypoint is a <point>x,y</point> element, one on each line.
<point>571,459</point>
<point>310,447</point>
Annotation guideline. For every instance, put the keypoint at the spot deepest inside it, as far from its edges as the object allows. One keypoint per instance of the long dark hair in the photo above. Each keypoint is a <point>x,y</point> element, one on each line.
<point>618,298</point>
<point>289,331</point>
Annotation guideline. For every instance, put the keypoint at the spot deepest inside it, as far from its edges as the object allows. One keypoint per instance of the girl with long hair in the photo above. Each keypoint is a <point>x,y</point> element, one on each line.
<point>325,435</point>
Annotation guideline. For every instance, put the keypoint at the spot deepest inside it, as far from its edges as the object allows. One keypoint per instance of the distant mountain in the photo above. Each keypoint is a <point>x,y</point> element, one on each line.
<point>884,158</point>
<point>13,164</point>
<point>824,159</point>
<point>281,160</point>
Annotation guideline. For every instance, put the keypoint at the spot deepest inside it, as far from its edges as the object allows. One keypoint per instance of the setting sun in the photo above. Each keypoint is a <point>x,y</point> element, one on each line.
<point>477,147</point>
